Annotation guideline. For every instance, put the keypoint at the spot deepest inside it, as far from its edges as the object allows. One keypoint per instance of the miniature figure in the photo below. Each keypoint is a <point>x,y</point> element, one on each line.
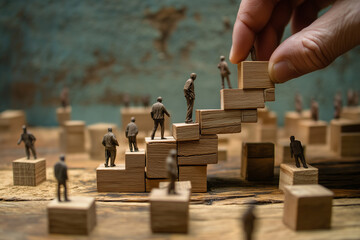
<point>29,141</point>
<point>248,220</point>
<point>146,100</point>
<point>253,53</point>
<point>224,72</point>
<point>64,97</point>
<point>110,142</point>
<point>297,151</point>
<point>314,110</point>
<point>60,171</point>
<point>126,100</point>
<point>189,93</point>
<point>172,169</point>
<point>157,114</point>
<point>352,98</point>
<point>298,103</point>
<point>131,133</point>
<point>337,105</point>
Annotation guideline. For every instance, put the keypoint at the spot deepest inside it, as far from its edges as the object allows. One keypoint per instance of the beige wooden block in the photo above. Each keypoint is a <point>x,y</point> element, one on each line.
<point>337,128</point>
<point>78,216</point>
<point>241,99</point>
<point>351,113</point>
<point>63,114</point>
<point>154,183</point>
<point>72,137</point>
<point>292,120</point>
<point>197,175</point>
<point>117,179</point>
<point>269,94</point>
<point>222,154</point>
<point>135,160</point>
<point>157,151</point>
<point>350,144</point>
<point>282,153</point>
<point>312,132</point>
<point>307,207</point>
<point>12,120</point>
<point>169,213</point>
<point>74,126</point>
<point>254,74</point>
<point>219,121</point>
<point>266,133</point>
<point>186,131</point>
<point>291,175</point>
<point>179,186</point>
<point>96,134</point>
<point>267,117</point>
<point>249,116</point>
<point>29,172</point>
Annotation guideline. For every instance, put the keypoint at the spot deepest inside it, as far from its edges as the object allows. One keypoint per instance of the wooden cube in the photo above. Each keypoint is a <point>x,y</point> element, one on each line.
<point>169,213</point>
<point>267,117</point>
<point>291,175</point>
<point>135,160</point>
<point>119,179</point>
<point>241,99</point>
<point>343,135</point>
<point>29,172</point>
<point>312,132</point>
<point>349,144</point>
<point>283,154</point>
<point>219,121</point>
<point>292,120</point>
<point>63,114</point>
<point>254,74</point>
<point>269,94</point>
<point>151,183</point>
<point>179,186</point>
<point>222,154</point>
<point>307,207</point>
<point>78,216</point>
<point>157,151</point>
<point>12,120</point>
<point>266,133</point>
<point>72,137</point>
<point>186,131</point>
<point>351,113</point>
<point>201,152</point>
<point>197,175</point>
<point>249,116</point>
<point>96,134</point>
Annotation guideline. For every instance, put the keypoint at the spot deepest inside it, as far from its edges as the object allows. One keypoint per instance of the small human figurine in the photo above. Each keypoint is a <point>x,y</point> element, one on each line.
<point>253,53</point>
<point>297,151</point>
<point>352,98</point>
<point>131,133</point>
<point>224,72</point>
<point>189,92</point>
<point>337,105</point>
<point>126,100</point>
<point>298,103</point>
<point>110,142</point>
<point>172,168</point>
<point>248,221</point>
<point>60,171</point>
<point>29,141</point>
<point>64,97</point>
<point>314,110</point>
<point>157,114</point>
<point>146,100</point>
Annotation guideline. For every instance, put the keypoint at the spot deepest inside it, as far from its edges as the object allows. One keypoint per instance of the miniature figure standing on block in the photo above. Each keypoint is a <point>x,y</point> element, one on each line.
<point>110,142</point>
<point>225,72</point>
<point>64,97</point>
<point>60,171</point>
<point>337,105</point>
<point>189,92</point>
<point>314,110</point>
<point>298,103</point>
<point>131,133</point>
<point>172,168</point>
<point>248,220</point>
<point>29,141</point>
<point>297,152</point>
<point>157,114</point>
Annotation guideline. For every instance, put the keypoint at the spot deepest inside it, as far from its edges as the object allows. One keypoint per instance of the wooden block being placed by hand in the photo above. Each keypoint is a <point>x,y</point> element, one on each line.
<point>29,172</point>
<point>249,116</point>
<point>254,74</point>
<point>63,114</point>
<point>291,175</point>
<point>242,99</point>
<point>154,183</point>
<point>179,186</point>
<point>135,160</point>
<point>312,132</point>
<point>216,121</point>
<point>78,216</point>
<point>269,94</point>
<point>197,175</point>
<point>186,131</point>
<point>307,207</point>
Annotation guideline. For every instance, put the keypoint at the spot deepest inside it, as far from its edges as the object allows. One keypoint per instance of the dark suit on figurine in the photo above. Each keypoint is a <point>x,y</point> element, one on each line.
<point>60,171</point>
<point>29,141</point>
<point>110,142</point>
<point>297,152</point>
<point>131,133</point>
<point>189,92</point>
<point>224,72</point>
<point>157,114</point>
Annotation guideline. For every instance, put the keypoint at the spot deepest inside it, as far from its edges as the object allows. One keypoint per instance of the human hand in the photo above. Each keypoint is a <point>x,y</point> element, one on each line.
<point>315,43</point>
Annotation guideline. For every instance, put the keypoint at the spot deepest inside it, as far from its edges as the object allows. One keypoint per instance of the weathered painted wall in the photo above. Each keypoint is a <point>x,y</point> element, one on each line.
<point>104,49</point>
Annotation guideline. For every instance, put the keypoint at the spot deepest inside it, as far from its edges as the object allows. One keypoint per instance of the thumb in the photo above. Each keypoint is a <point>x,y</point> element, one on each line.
<point>316,46</point>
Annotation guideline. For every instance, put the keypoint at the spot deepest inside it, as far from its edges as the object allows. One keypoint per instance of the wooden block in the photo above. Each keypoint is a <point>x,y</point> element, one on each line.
<point>74,126</point>
<point>197,175</point>
<point>169,213</point>
<point>135,160</point>
<point>96,134</point>
<point>12,120</point>
<point>186,131</point>
<point>179,186</point>
<point>63,115</point>
<point>292,120</point>
<point>351,113</point>
<point>254,74</point>
<point>219,121</point>
<point>241,99</point>
<point>267,117</point>
<point>222,154</point>
<point>269,94</point>
<point>349,144</point>
<point>201,152</point>
<point>307,207</point>
<point>266,133</point>
<point>152,183</point>
<point>249,116</point>
<point>312,132</point>
<point>117,179</point>
<point>258,150</point>
<point>29,172</point>
<point>72,137</point>
<point>78,216</point>
<point>291,175</point>
<point>337,128</point>
<point>282,153</point>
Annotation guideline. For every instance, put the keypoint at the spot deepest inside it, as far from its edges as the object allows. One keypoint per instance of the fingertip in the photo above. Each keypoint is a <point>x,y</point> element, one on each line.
<point>282,71</point>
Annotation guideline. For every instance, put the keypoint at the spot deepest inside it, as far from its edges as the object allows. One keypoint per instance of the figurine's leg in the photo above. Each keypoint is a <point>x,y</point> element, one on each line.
<point>135,144</point>
<point>228,81</point>
<point>65,192</point>
<point>27,152</point>
<point>58,192</point>
<point>33,151</point>
<point>156,123</point>
<point>106,158</point>
<point>162,128</point>
<point>130,144</point>
<point>188,111</point>
<point>297,160</point>
<point>302,158</point>
<point>191,110</point>
<point>113,156</point>
<point>222,82</point>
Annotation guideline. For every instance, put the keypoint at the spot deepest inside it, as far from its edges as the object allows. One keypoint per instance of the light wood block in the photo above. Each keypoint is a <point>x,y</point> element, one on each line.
<point>197,175</point>
<point>339,127</point>
<point>267,117</point>
<point>283,154</point>
<point>249,116</point>
<point>254,74</point>
<point>169,213</point>
<point>307,207</point>
<point>157,151</point>
<point>135,160</point>
<point>312,132</point>
<point>72,137</point>
<point>222,154</point>
<point>269,94</point>
<point>152,183</point>
<point>12,120</point>
<point>186,131</point>
<point>29,172</point>
<point>201,152</point>
<point>179,186</point>
<point>78,216</point>
<point>291,175</point>
<point>350,144</point>
<point>117,179</point>
<point>63,114</point>
<point>241,99</point>
<point>351,113</point>
<point>219,121</point>
<point>292,120</point>
<point>96,134</point>
<point>266,133</point>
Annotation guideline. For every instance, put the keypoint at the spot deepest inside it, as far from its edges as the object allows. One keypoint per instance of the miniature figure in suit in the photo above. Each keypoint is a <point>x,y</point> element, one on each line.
<point>298,103</point>
<point>172,169</point>
<point>337,105</point>
<point>157,114</point>
<point>224,72</point>
<point>297,152</point>
<point>189,92</point>
<point>248,220</point>
<point>110,142</point>
<point>64,97</point>
<point>314,110</point>
<point>29,141</point>
<point>60,171</point>
<point>131,133</point>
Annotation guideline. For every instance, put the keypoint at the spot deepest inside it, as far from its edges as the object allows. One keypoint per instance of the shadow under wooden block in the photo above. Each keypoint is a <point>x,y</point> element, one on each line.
<point>343,135</point>
<point>312,132</point>
<point>197,175</point>
<point>222,154</point>
<point>179,186</point>
<point>351,113</point>
<point>96,134</point>
<point>12,120</point>
<point>73,137</point>
<point>63,114</point>
<point>29,172</point>
<point>249,116</point>
<point>169,213</point>
<point>186,131</point>
<point>156,152</point>
<point>135,160</point>
<point>119,179</point>
<point>232,99</point>
<point>291,175</point>
<point>307,207</point>
<point>283,154</point>
<point>152,183</point>
<point>216,121</point>
<point>292,120</point>
<point>254,74</point>
<point>78,216</point>
<point>201,152</point>
<point>269,94</point>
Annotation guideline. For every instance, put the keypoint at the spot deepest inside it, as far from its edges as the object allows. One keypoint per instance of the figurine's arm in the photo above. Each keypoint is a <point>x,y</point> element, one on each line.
<point>103,142</point>
<point>115,141</point>
<point>291,151</point>
<point>152,114</point>
<point>166,112</point>
<point>65,174</point>
<point>219,65</point>
<point>20,139</point>
<point>227,69</point>
<point>127,131</point>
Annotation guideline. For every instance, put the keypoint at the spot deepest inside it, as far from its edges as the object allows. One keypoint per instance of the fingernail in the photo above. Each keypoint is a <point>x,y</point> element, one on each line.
<point>231,52</point>
<point>282,71</point>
